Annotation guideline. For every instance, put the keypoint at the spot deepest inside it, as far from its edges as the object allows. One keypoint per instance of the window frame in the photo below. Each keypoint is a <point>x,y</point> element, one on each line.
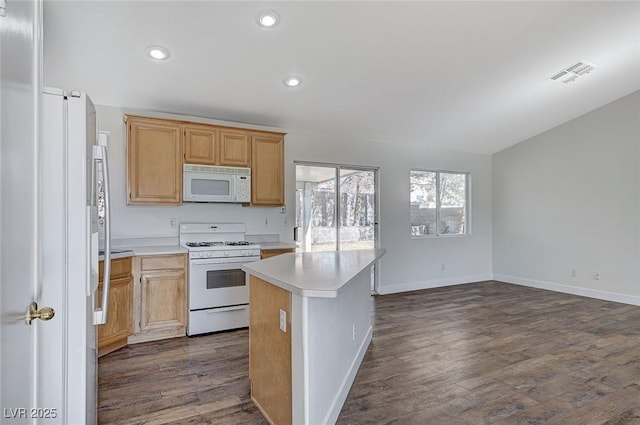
<point>467,203</point>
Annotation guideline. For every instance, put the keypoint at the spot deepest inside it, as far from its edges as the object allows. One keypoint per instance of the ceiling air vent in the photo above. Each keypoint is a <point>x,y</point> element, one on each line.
<point>572,72</point>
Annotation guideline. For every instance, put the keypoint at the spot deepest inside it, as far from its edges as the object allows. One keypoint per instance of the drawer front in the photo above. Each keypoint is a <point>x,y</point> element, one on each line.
<point>163,262</point>
<point>218,319</point>
<point>120,267</point>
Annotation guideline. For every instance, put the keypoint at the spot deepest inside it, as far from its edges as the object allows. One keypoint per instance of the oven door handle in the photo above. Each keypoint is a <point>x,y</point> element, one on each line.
<point>222,310</point>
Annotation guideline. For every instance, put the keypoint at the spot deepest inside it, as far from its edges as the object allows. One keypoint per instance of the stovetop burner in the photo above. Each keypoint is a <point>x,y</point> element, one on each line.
<point>196,244</point>
<point>238,243</point>
<point>205,244</point>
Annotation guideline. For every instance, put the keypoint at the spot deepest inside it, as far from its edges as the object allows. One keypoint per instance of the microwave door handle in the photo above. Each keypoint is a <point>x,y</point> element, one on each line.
<point>100,156</point>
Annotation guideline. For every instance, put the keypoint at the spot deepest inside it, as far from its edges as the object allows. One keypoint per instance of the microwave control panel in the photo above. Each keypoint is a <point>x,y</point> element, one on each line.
<point>243,189</point>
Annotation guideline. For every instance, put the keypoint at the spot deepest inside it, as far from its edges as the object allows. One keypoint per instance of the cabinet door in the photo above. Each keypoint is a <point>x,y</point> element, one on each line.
<point>163,300</point>
<point>200,145</point>
<point>154,163</point>
<point>234,148</point>
<point>267,169</point>
<point>113,334</point>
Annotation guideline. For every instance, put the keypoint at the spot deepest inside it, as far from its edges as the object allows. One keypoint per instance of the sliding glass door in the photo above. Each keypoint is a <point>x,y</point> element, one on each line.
<point>357,209</point>
<point>335,207</point>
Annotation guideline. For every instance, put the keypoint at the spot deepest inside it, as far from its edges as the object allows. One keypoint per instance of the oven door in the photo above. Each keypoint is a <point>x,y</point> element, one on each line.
<point>215,284</point>
<point>208,187</point>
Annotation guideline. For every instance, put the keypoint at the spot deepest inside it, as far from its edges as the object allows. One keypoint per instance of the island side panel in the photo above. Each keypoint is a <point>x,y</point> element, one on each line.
<point>270,351</point>
<point>334,351</point>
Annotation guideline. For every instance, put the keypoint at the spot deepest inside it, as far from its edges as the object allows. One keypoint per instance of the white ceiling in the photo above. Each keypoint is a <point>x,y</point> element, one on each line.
<point>467,76</point>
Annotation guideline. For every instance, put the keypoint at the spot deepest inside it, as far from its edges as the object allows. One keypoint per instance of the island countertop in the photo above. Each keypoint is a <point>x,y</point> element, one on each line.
<point>313,274</point>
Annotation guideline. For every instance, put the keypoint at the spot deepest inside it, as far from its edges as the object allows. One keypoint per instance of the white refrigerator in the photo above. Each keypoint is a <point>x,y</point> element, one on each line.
<point>74,211</point>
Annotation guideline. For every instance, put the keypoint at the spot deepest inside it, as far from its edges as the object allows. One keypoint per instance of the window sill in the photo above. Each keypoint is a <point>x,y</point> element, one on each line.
<point>457,235</point>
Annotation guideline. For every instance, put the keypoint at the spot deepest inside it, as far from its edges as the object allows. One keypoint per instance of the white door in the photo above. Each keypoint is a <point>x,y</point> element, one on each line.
<point>32,374</point>
<point>19,271</point>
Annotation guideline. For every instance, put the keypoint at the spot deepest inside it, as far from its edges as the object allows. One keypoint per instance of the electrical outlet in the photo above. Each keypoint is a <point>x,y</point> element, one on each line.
<point>172,223</point>
<point>573,273</point>
<point>353,336</point>
<point>596,275</point>
<point>283,321</point>
<point>283,210</point>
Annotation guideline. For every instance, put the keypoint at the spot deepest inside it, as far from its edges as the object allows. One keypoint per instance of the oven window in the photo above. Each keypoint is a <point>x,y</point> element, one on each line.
<point>210,187</point>
<point>225,278</point>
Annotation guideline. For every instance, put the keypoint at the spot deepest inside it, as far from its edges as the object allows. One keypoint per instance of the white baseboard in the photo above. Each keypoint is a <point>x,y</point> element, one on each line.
<point>568,289</point>
<point>428,284</point>
<point>345,386</point>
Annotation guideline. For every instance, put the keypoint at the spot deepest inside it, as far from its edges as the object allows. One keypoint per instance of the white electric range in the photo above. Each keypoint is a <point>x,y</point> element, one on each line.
<point>218,292</point>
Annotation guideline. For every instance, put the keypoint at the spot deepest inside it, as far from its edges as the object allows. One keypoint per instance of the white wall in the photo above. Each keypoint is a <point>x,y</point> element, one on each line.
<point>569,199</point>
<point>408,264</point>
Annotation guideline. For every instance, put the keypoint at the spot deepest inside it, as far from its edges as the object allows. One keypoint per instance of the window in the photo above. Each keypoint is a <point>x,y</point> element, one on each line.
<point>439,202</point>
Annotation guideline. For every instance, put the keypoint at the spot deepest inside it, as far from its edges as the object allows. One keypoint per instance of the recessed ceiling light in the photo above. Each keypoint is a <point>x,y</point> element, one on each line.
<point>268,19</point>
<point>157,52</point>
<point>292,81</point>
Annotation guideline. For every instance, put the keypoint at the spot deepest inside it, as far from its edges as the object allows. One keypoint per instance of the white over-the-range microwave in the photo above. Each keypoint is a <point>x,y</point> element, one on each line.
<point>209,183</point>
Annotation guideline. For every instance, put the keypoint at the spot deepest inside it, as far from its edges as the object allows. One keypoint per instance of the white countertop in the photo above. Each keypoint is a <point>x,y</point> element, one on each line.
<point>158,250</point>
<point>313,274</point>
<point>130,251</point>
<point>116,255</point>
<point>166,246</point>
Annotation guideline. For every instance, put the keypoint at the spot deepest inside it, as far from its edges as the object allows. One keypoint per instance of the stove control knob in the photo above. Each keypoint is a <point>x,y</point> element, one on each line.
<point>226,254</point>
<point>209,254</point>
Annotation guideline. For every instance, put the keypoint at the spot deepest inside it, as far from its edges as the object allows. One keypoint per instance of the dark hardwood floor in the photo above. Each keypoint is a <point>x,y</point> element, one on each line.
<point>486,353</point>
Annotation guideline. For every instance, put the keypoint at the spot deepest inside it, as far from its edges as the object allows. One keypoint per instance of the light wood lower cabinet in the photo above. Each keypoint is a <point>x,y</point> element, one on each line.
<point>113,334</point>
<point>160,297</point>
<point>266,253</point>
<point>270,351</point>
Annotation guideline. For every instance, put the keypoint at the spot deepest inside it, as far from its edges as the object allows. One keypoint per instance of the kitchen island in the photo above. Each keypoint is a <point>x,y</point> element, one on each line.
<point>309,328</point>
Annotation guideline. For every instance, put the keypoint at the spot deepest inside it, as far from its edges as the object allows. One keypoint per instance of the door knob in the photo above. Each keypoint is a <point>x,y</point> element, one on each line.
<point>45,313</point>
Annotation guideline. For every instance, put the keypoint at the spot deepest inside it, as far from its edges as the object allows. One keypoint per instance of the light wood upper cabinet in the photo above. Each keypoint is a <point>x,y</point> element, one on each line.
<point>113,334</point>
<point>201,144</point>
<point>154,161</point>
<point>211,145</point>
<point>160,297</point>
<point>267,169</point>
<point>157,149</point>
<point>235,148</point>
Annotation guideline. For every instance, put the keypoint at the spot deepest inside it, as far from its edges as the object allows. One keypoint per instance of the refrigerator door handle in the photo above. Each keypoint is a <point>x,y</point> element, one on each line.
<point>104,218</point>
